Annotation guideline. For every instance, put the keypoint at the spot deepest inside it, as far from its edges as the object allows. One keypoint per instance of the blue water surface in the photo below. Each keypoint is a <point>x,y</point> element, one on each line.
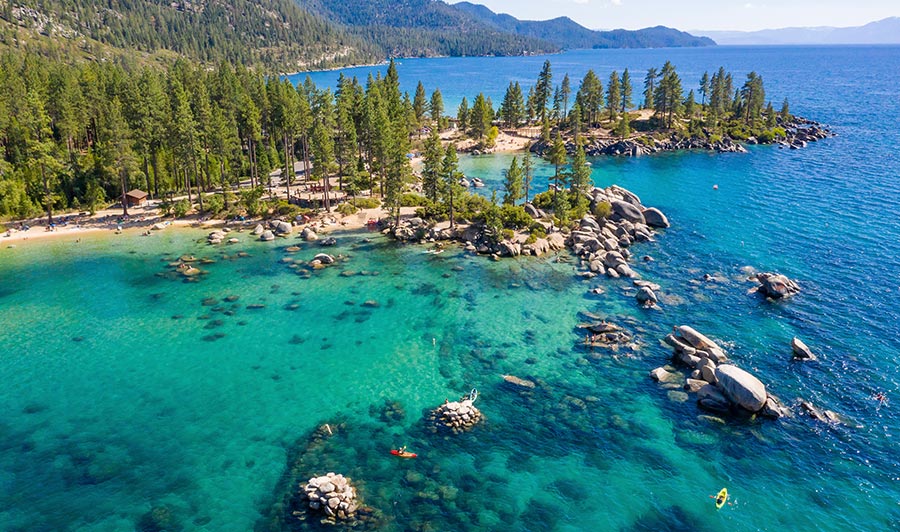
<point>132,401</point>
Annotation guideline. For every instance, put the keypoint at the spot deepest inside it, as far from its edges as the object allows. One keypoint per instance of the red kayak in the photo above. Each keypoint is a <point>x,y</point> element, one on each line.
<point>403,454</point>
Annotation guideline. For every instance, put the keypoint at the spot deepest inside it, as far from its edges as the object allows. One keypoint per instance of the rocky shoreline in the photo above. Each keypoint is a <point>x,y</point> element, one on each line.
<point>799,133</point>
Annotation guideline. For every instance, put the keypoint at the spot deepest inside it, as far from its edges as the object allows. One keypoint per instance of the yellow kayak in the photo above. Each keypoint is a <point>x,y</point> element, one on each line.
<point>721,498</point>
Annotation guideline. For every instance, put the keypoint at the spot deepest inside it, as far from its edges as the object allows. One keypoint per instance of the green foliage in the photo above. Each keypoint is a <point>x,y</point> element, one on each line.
<point>277,34</point>
<point>513,183</point>
<point>411,199</point>
<point>544,200</point>
<point>507,234</point>
<point>365,203</point>
<point>602,209</point>
<point>471,205</point>
<point>250,200</point>
<point>287,210</point>
<point>181,208</point>
<point>491,138</point>
<point>346,209</point>
<point>514,217</point>
<point>214,204</point>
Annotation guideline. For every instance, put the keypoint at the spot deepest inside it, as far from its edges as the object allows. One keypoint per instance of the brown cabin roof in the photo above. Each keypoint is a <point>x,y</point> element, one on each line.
<point>136,194</point>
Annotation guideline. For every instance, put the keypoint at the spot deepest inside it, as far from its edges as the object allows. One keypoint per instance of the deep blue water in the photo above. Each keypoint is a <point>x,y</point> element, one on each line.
<point>113,408</point>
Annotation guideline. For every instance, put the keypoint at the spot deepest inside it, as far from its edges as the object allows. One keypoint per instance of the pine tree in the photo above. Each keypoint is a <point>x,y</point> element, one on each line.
<point>420,104</point>
<point>436,108</point>
<point>527,172</point>
<point>613,95</point>
<point>623,127</point>
<point>565,91</point>
<point>557,157</point>
<point>590,98</point>
<point>753,97</point>
<point>580,178</point>
<point>627,90</point>
<point>704,88</point>
<point>398,169</point>
<point>689,104</point>
<point>462,115</point>
<point>513,183</point>
<point>649,88</point>
<point>543,91</point>
<point>668,97</point>
<point>432,166</point>
<point>481,117</point>
<point>346,140</point>
<point>512,110</point>
<point>450,174</point>
<point>770,116</point>
<point>575,121</point>
<point>41,157</point>
<point>322,141</point>
<point>785,111</point>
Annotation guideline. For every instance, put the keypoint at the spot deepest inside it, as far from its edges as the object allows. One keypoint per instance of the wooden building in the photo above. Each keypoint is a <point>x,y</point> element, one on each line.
<point>136,198</point>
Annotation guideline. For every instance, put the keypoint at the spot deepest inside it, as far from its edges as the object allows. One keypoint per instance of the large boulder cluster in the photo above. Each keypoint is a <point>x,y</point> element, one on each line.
<point>332,495</point>
<point>602,241</point>
<point>456,416</point>
<point>721,387</point>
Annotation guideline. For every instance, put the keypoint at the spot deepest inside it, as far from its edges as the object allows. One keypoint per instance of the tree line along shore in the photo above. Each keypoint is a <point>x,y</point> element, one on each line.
<point>207,140</point>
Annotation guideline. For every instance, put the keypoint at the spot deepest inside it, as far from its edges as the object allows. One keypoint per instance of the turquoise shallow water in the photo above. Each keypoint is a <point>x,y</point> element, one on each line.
<point>113,408</point>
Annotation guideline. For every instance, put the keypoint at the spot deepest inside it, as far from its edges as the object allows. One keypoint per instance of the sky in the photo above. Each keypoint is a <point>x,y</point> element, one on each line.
<point>744,15</point>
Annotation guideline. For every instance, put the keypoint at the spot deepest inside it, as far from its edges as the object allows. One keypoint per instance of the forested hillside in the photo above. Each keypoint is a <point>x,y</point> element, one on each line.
<point>405,28</point>
<point>566,33</point>
<point>277,34</point>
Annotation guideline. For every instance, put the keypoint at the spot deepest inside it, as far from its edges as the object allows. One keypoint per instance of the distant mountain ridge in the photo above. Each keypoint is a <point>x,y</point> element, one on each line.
<point>418,28</point>
<point>292,35</point>
<point>567,33</point>
<point>885,31</point>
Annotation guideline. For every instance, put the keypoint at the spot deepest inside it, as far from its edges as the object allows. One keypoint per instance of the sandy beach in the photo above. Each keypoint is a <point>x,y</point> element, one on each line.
<point>149,219</point>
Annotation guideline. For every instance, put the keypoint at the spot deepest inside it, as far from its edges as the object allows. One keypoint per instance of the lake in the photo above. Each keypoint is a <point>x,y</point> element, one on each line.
<point>135,401</point>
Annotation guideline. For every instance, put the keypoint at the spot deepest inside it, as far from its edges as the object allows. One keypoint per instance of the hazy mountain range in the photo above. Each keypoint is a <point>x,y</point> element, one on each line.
<point>886,31</point>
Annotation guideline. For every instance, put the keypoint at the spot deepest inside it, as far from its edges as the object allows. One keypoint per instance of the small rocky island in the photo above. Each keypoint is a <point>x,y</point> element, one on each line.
<point>332,495</point>
<point>456,416</point>
<point>721,386</point>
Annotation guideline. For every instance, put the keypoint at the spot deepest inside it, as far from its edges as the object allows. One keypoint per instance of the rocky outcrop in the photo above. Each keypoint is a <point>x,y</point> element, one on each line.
<point>281,227</point>
<point>622,210</point>
<point>332,495</point>
<point>267,236</point>
<point>308,234</point>
<point>216,237</point>
<point>741,388</point>
<point>602,242</point>
<point>775,285</point>
<point>258,230</point>
<point>801,351</point>
<point>721,386</point>
<point>455,416</point>
<point>321,260</point>
<point>646,297</point>
<point>655,218</point>
<point>799,132</point>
